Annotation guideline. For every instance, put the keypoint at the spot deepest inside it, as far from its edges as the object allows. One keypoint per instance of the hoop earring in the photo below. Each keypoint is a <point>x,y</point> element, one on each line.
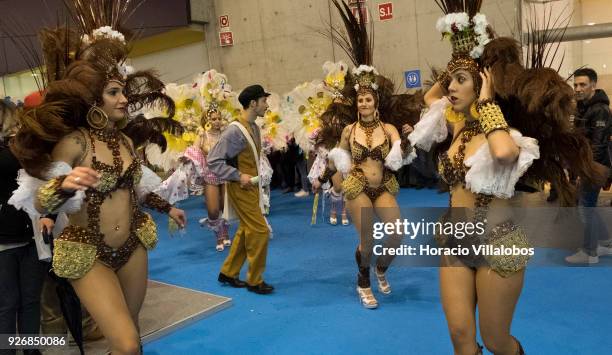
<point>207,126</point>
<point>96,117</point>
<point>474,111</point>
<point>377,115</point>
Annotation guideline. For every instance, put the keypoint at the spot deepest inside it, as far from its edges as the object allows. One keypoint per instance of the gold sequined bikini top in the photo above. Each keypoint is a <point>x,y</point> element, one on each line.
<point>453,172</point>
<point>360,152</point>
<point>112,177</point>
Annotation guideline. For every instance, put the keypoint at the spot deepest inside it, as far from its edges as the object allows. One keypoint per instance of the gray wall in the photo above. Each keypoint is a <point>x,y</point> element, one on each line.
<point>276,44</point>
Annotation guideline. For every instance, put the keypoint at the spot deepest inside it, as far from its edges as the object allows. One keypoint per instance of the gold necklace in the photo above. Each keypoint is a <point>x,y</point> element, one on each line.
<point>452,116</point>
<point>368,128</point>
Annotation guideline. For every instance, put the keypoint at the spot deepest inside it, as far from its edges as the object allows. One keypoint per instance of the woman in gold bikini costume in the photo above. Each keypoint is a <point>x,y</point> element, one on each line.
<point>79,162</point>
<point>484,91</point>
<point>370,150</point>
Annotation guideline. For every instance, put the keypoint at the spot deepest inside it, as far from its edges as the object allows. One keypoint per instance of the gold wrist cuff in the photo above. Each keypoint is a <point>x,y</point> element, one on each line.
<point>51,196</point>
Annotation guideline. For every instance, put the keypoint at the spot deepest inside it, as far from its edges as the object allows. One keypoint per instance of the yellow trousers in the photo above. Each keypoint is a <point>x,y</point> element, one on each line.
<point>251,239</point>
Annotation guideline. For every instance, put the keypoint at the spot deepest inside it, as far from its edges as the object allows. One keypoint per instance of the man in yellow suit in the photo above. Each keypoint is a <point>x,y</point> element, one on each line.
<point>235,159</point>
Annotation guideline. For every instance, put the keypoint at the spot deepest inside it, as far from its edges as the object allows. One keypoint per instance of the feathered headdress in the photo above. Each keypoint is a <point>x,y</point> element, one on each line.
<point>216,95</point>
<point>275,130</point>
<point>468,31</point>
<point>537,101</point>
<point>335,77</point>
<point>303,107</point>
<point>358,42</point>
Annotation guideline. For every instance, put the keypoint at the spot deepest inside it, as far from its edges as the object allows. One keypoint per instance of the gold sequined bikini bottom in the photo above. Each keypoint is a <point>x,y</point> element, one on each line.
<point>356,183</point>
<point>76,249</point>
<point>505,248</point>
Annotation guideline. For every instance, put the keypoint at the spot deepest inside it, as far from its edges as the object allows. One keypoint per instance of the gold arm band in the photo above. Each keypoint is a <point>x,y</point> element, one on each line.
<point>492,118</point>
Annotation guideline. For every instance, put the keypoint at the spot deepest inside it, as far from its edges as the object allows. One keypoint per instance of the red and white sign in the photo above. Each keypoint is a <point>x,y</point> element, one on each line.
<point>226,39</point>
<point>385,11</point>
<point>364,14</point>
<point>223,21</point>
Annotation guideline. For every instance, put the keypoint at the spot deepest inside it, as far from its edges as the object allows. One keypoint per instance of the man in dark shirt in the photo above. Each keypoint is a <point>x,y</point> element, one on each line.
<point>235,159</point>
<point>21,273</point>
<point>594,120</point>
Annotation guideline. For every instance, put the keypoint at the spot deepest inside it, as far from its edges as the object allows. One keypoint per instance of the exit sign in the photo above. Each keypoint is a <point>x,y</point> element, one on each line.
<point>385,11</point>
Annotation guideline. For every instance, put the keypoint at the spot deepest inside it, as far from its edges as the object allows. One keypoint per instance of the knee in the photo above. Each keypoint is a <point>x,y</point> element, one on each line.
<point>126,345</point>
<point>337,188</point>
<point>461,334</point>
<point>263,231</point>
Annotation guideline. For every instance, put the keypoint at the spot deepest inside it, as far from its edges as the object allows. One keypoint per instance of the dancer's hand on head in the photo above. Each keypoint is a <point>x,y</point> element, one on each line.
<point>316,186</point>
<point>178,216</point>
<point>407,129</point>
<point>245,181</point>
<point>487,91</point>
<point>80,178</point>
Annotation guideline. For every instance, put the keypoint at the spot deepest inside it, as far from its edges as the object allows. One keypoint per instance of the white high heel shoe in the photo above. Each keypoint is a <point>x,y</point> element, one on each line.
<point>333,220</point>
<point>383,284</point>
<point>367,297</point>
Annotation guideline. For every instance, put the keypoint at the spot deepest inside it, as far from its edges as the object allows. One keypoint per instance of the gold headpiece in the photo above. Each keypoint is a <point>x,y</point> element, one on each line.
<point>365,78</point>
<point>467,30</point>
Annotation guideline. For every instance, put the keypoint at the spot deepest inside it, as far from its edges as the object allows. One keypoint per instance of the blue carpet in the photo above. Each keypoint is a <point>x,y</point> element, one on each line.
<point>315,309</point>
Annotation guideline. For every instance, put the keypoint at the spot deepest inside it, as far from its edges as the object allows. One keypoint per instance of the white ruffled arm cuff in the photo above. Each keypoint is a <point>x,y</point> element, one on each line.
<point>431,127</point>
<point>148,183</point>
<point>25,196</point>
<point>394,160</point>
<point>486,176</point>
<point>341,159</point>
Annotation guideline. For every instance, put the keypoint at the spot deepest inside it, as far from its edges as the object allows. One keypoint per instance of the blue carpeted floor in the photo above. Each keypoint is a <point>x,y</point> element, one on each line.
<point>315,309</point>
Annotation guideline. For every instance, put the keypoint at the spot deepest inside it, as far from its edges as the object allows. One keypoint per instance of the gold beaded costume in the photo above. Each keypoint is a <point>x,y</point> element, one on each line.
<point>356,182</point>
<point>80,63</point>
<point>507,233</point>
<point>77,248</point>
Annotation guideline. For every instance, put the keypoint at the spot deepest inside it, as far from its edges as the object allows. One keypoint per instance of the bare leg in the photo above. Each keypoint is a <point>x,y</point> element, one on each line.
<point>133,279</point>
<point>337,188</point>
<point>387,209</point>
<point>458,293</point>
<point>214,204</point>
<point>100,292</point>
<point>497,298</point>
<point>363,253</point>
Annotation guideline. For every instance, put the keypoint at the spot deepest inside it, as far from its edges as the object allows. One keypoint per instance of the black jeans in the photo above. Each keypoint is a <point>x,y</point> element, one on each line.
<point>21,279</point>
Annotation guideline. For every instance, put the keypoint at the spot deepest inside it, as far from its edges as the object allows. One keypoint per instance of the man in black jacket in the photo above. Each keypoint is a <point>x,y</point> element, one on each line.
<point>21,273</point>
<point>595,121</point>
